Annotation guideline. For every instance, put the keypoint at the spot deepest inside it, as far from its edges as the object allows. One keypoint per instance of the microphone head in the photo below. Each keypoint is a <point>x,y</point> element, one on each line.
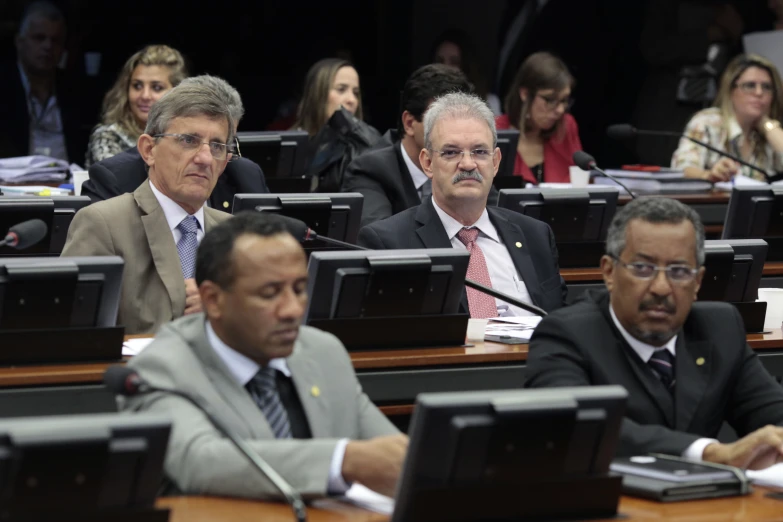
<point>122,380</point>
<point>26,233</point>
<point>583,160</point>
<point>295,227</point>
<point>621,131</point>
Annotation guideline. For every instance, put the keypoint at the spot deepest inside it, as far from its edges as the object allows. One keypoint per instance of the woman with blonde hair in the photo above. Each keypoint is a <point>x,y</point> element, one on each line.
<point>329,84</point>
<point>744,121</point>
<point>145,77</point>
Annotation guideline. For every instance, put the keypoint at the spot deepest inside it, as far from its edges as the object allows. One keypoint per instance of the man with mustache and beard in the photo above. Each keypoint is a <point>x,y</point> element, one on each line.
<point>687,366</point>
<point>510,252</point>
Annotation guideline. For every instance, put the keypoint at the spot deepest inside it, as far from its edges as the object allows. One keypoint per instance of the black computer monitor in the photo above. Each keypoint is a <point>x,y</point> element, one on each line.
<point>579,218</point>
<point>81,467</point>
<point>282,155</point>
<point>333,215</point>
<point>512,455</point>
<point>374,298</point>
<point>56,211</point>
<point>757,212</point>
<point>505,178</point>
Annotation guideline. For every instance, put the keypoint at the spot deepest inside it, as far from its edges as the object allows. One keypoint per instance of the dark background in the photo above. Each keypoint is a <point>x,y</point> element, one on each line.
<point>265,48</point>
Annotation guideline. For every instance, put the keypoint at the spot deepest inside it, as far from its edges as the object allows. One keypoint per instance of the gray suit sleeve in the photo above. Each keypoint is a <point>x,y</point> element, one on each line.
<point>89,235</point>
<point>555,360</point>
<point>376,204</point>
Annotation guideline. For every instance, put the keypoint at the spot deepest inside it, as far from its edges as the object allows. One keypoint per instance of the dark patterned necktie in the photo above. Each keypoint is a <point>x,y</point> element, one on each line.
<point>662,363</point>
<point>263,389</point>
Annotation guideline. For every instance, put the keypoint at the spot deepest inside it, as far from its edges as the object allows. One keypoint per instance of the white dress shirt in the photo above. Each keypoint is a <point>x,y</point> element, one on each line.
<point>502,272</point>
<point>243,369</point>
<point>175,214</point>
<point>645,352</point>
<point>46,124</point>
<point>417,175</point>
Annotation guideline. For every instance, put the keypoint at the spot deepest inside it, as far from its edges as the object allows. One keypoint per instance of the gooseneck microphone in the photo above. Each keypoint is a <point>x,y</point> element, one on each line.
<point>302,232</point>
<point>623,131</point>
<point>25,234</point>
<point>125,381</point>
<point>586,162</point>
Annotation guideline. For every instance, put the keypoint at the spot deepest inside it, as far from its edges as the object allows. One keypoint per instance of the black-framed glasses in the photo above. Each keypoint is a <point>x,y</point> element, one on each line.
<point>189,142</point>
<point>678,274</point>
<point>751,87</point>
<point>454,155</point>
<point>552,102</point>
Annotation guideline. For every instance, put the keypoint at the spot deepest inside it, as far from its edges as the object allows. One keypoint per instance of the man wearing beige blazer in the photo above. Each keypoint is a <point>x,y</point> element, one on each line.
<point>187,143</point>
<point>289,390</point>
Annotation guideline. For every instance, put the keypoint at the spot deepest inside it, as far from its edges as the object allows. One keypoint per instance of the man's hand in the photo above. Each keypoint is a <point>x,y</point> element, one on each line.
<point>375,463</point>
<point>192,297</point>
<point>758,450</point>
<point>723,170</point>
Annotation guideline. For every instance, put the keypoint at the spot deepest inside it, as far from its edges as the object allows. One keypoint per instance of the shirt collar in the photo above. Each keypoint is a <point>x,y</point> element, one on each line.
<point>735,131</point>
<point>417,175</point>
<point>173,212</point>
<point>242,368</point>
<point>643,350</point>
<point>452,226</point>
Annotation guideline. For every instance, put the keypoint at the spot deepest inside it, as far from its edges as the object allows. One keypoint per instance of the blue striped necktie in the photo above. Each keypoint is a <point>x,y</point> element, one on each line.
<point>187,246</point>
<point>662,364</point>
<point>263,389</point>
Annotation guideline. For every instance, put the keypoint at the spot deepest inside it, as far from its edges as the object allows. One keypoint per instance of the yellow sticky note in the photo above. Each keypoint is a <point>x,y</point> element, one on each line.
<point>45,192</point>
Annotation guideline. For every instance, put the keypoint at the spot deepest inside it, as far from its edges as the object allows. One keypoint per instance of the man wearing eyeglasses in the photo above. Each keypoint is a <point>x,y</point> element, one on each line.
<point>687,366</point>
<point>512,253</point>
<point>188,141</point>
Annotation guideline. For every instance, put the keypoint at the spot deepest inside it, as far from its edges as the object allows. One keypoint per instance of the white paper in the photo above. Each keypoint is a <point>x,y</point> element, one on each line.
<point>33,168</point>
<point>768,44</point>
<point>135,346</point>
<point>739,181</point>
<point>526,320</point>
<point>772,476</point>
<point>34,190</point>
<point>366,498</point>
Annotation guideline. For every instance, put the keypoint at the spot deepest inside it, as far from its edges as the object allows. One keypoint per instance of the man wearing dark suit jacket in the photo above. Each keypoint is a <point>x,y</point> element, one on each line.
<point>510,252</point>
<point>687,367</point>
<point>390,178</point>
<point>127,170</point>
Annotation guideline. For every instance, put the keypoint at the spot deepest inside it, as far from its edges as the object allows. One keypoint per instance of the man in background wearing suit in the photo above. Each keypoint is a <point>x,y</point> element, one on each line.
<point>687,366</point>
<point>127,170</point>
<point>512,253</point>
<point>187,143</point>
<point>390,178</point>
<point>289,390</point>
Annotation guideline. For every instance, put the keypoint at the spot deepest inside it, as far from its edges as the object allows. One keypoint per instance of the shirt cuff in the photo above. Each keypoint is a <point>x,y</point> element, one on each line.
<point>695,450</point>
<point>337,485</point>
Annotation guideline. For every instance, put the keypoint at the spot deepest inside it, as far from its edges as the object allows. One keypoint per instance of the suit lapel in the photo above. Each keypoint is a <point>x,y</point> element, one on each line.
<point>408,188</point>
<point>310,383</point>
<point>162,247</point>
<point>512,235</point>
<point>431,231</point>
<point>692,371</point>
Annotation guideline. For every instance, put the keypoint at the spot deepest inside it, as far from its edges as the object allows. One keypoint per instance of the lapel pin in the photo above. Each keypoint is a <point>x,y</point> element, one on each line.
<point>518,244</point>
<point>700,361</point>
<point>315,391</point>
<point>225,204</point>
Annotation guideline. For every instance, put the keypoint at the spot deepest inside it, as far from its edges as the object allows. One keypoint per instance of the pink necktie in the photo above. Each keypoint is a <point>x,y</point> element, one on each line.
<point>482,306</point>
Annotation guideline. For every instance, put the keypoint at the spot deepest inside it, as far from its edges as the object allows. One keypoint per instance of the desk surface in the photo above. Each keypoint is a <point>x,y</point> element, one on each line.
<point>754,508</point>
<point>476,353</point>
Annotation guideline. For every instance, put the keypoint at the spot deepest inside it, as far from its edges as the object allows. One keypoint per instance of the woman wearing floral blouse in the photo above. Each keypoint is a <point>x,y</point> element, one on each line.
<point>744,122</point>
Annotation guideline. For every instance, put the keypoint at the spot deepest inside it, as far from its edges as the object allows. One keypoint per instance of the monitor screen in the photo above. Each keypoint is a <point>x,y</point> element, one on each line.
<point>578,217</point>
<point>507,142</point>
<point>333,215</point>
<point>757,212</point>
<point>388,283</point>
<point>56,211</point>
<point>80,464</point>
<point>51,292</point>
<point>281,154</point>
<point>467,445</point>
<point>733,270</point>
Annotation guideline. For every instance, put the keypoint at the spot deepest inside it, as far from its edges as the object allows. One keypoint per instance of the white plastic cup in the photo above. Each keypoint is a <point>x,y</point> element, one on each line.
<point>477,329</point>
<point>774,299</point>
<point>79,177</point>
<point>579,177</point>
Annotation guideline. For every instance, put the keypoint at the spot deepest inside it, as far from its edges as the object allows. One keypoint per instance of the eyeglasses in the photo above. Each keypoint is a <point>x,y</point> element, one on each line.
<point>190,142</point>
<point>456,155</point>
<point>678,274</point>
<point>750,87</point>
<point>552,103</point>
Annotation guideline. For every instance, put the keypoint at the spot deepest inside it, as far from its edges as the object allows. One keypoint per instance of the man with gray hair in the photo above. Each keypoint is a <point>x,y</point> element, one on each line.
<point>38,114</point>
<point>188,141</point>
<point>127,170</point>
<point>687,366</point>
<point>512,253</point>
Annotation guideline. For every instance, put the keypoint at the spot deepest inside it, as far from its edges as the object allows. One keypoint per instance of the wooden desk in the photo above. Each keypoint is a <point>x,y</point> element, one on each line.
<point>753,508</point>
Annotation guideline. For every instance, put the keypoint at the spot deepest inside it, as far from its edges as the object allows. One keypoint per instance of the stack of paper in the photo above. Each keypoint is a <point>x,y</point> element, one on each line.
<point>771,477</point>
<point>518,328</point>
<point>738,181</point>
<point>654,182</point>
<point>27,169</point>
<point>33,190</point>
